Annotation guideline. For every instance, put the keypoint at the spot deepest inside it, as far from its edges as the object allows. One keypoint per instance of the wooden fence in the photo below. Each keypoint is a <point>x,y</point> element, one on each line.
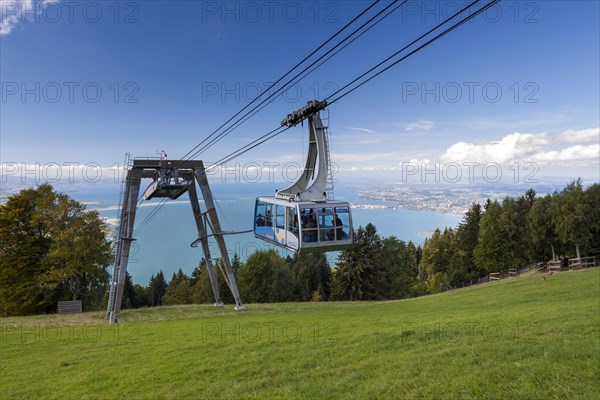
<point>554,265</point>
<point>583,262</point>
<point>572,263</point>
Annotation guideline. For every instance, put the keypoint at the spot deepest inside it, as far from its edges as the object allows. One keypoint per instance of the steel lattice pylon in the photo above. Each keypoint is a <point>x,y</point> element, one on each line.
<point>171,178</point>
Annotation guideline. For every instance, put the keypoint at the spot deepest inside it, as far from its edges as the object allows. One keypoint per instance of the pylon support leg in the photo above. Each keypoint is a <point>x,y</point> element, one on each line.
<point>203,236</point>
<point>126,225</point>
<point>218,234</point>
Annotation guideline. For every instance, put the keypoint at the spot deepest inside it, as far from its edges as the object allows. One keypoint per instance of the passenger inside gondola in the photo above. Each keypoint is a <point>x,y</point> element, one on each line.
<point>269,218</point>
<point>340,234</point>
<point>310,229</point>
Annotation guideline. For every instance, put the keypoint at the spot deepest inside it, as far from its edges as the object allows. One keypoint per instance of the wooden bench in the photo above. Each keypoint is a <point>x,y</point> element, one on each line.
<point>69,307</point>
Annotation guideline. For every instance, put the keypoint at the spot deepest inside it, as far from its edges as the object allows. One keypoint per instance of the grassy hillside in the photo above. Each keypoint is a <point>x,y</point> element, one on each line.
<point>521,338</point>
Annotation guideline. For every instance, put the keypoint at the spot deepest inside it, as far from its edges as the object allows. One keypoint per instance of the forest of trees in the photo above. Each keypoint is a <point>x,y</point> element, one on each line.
<point>497,236</point>
<point>52,249</point>
<point>514,233</point>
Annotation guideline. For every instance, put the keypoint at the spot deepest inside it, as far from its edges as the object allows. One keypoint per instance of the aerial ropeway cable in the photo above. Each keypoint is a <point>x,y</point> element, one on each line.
<point>342,92</point>
<point>332,99</point>
<point>445,32</point>
<point>266,101</point>
<point>277,93</point>
<point>193,152</point>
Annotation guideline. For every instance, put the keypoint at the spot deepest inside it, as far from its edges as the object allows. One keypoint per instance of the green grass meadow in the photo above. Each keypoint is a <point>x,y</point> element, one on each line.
<point>533,337</point>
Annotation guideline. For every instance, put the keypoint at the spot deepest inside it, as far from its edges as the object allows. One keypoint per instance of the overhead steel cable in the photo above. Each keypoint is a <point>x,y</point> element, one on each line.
<point>280,130</point>
<point>305,74</point>
<point>277,93</point>
<point>274,132</point>
<point>255,143</point>
<point>244,149</point>
<point>195,151</point>
<point>150,216</point>
<point>280,79</point>
<point>456,25</point>
<point>352,41</point>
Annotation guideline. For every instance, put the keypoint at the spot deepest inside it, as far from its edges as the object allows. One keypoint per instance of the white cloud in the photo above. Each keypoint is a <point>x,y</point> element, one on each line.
<point>539,147</point>
<point>420,125</point>
<point>365,130</point>
<point>513,146</point>
<point>363,157</point>
<point>574,153</point>
<point>417,161</point>
<point>14,12</point>
<point>580,136</point>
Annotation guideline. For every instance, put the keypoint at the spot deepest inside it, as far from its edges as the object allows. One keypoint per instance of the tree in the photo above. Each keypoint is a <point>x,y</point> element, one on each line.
<point>141,296</point>
<point>358,275</point>
<point>543,242</point>
<point>179,290</point>
<point>492,253</point>
<point>202,292</point>
<point>265,277</point>
<point>570,215</point>
<point>463,268</point>
<point>129,295</point>
<point>156,289</point>
<point>312,275</point>
<point>236,263</point>
<point>516,233</point>
<point>51,248</point>
<point>439,251</point>
<point>415,253</point>
<point>224,291</point>
<point>398,263</point>
<point>593,195</point>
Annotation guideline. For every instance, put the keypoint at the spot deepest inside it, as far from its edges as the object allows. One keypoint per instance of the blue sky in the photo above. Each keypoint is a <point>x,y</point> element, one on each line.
<point>520,84</point>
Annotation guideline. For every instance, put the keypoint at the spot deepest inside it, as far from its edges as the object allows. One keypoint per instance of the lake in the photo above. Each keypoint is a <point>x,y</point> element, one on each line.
<point>164,242</point>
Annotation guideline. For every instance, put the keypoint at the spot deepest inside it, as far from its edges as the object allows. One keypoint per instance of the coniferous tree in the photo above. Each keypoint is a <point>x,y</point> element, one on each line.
<point>150,291</point>
<point>178,290</point>
<point>516,232</point>
<point>358,275</point>
<point>543,241</point>
<point>492,253</point>
<point>141,296</point>
<point>398,264</point>
<point>129,295</point>
<point>464,268</point>
<point>225,292</point>
<point>312,275</point>
<point>236,263</point>
<point>157,288</point>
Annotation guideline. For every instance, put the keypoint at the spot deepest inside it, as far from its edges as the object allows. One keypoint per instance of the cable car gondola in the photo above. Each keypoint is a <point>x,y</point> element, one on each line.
<point>302,217</point>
